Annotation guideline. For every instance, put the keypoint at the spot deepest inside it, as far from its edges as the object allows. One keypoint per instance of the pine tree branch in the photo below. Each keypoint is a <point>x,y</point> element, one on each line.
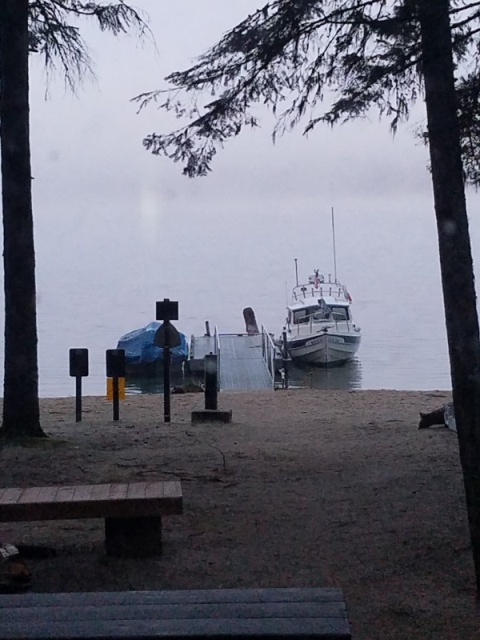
<point>331,59</point>
<point>60,43</point>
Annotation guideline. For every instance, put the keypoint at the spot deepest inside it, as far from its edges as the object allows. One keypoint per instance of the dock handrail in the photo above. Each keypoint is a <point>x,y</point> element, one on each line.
<point>268,353</point>
<point>216,351</point>
<point>191,347</point>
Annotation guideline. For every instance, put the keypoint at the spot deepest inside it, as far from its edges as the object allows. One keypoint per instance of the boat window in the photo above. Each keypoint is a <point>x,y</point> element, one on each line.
<point>321,312</point>
<point>325,314</point>
<point>340,313</point>
<point>301,316</point>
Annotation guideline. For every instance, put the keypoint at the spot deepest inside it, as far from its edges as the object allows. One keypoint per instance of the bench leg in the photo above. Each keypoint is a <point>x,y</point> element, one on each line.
<point>133,537</point>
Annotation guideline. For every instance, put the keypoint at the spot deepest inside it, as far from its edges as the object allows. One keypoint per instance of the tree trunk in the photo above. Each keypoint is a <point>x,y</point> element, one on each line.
<point>455,251</point>
<point>21,416</point>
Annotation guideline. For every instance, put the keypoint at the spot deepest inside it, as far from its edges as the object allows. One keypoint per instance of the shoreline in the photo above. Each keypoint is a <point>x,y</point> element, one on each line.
<point>241,401</point>
<point>227,392</point>
<point>155,388</point>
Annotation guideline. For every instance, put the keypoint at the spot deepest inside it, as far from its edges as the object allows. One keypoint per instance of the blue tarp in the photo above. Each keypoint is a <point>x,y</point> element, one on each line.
<point>139,347</point>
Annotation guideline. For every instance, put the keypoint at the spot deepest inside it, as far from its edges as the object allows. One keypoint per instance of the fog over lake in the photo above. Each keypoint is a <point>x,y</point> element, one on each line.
<point>117,229</point>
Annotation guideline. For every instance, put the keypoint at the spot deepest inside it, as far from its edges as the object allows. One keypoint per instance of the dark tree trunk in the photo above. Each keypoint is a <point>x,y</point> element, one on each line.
<point>21,408</point>
<point>455,251</point>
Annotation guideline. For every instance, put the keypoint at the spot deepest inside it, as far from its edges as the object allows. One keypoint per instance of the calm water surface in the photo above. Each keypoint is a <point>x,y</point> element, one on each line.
<point>118,229</point>
<point>99,279</point>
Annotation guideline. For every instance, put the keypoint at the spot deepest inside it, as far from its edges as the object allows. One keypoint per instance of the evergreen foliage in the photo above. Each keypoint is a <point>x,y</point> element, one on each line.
<point>55,35</point>
<point>311,62</point>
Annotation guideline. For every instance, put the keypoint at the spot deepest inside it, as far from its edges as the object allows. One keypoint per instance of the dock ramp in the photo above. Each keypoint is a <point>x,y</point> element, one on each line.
<point>241,363</point>
<point>245,361</point>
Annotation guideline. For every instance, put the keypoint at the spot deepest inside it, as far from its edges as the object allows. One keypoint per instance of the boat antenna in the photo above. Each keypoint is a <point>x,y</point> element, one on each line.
<point>296,270</point>
<point>334,248</point>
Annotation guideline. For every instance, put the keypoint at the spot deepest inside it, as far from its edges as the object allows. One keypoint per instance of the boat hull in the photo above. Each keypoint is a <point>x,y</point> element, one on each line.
<point>324,349</point>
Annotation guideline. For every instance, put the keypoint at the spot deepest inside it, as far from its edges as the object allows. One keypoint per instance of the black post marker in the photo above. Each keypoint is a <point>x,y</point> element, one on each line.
<point>116,399</point>
<point>115,369</point>
<point>78,399</point>
<point>285,358</point>
<point>78,369</point>
<point>166,374</point>
<point>211,382</point>
<point>166,337</point>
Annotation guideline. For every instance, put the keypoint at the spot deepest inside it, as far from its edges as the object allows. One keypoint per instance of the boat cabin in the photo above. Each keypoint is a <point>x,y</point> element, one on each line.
<point>318,311</point>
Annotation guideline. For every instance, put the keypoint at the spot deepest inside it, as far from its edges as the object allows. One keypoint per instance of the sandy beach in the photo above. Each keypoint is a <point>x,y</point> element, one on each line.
<point>303,488</point>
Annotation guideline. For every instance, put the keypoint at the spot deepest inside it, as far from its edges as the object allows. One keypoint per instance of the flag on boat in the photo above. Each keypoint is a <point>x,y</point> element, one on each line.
<point>316,282</point>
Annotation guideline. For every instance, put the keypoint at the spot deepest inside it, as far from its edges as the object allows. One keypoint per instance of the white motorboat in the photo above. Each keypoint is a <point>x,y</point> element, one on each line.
<point>319,327</point>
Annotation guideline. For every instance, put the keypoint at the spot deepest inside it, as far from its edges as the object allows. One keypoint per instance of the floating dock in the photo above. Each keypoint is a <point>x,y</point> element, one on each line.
<point>245,361</point>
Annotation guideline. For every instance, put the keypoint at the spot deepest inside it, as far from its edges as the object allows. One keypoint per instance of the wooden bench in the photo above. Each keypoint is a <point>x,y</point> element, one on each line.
<point>132,511</point>
<point>317,614</point>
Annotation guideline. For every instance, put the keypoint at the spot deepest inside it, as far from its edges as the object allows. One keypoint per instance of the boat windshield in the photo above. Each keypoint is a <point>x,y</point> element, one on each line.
<point>320,313</point>
<point>340,313</point>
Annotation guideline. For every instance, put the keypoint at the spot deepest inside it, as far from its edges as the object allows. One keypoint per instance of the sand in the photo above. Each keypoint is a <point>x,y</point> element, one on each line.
<point>303,488</point>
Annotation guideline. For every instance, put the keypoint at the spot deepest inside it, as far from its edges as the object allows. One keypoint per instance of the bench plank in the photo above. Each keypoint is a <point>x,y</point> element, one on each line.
<point>118,491</point>
<point>135,500</point>
<point>137,490</point>
<point>172,489</point>
<point>155,489</point>
<point>65,494</point>
<point>29,495</point>
<point>100,492</point>
<point>178,611</point>
<point>83,493</point>
<point>195,596</point>
<point>319,628</point>
<point>46,494</point>
<point>11,496</point>
<point>228,614</point>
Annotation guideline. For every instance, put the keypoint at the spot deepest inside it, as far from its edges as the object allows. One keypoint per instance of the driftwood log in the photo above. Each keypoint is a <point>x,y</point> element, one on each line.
<point>443,416</point>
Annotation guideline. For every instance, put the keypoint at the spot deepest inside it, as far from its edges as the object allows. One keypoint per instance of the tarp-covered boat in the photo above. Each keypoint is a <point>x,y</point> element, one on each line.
<point>143,357</point>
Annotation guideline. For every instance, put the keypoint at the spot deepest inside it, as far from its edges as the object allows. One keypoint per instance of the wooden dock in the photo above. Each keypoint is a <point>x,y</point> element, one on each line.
<point>241,360</point>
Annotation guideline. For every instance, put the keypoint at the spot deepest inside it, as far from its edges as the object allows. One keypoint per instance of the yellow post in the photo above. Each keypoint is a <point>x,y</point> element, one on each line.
<point>121,388</point>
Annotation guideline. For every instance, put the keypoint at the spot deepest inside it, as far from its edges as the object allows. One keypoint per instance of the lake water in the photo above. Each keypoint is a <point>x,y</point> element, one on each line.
<point>96,282</point>
<point>117,229</point>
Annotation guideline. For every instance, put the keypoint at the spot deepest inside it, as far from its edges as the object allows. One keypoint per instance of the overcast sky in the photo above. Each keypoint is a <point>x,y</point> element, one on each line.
<point>117,226</point>
<point>95,137</point>
<point>97,185</point>
<point>88,155</point>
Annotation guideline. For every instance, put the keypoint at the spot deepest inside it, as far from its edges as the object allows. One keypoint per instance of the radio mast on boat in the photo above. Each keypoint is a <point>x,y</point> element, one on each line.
<point>334,248</point>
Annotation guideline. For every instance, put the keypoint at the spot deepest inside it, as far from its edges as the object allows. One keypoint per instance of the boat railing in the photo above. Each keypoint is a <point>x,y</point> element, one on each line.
<point>268,353</point>
<point>330,289</point>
